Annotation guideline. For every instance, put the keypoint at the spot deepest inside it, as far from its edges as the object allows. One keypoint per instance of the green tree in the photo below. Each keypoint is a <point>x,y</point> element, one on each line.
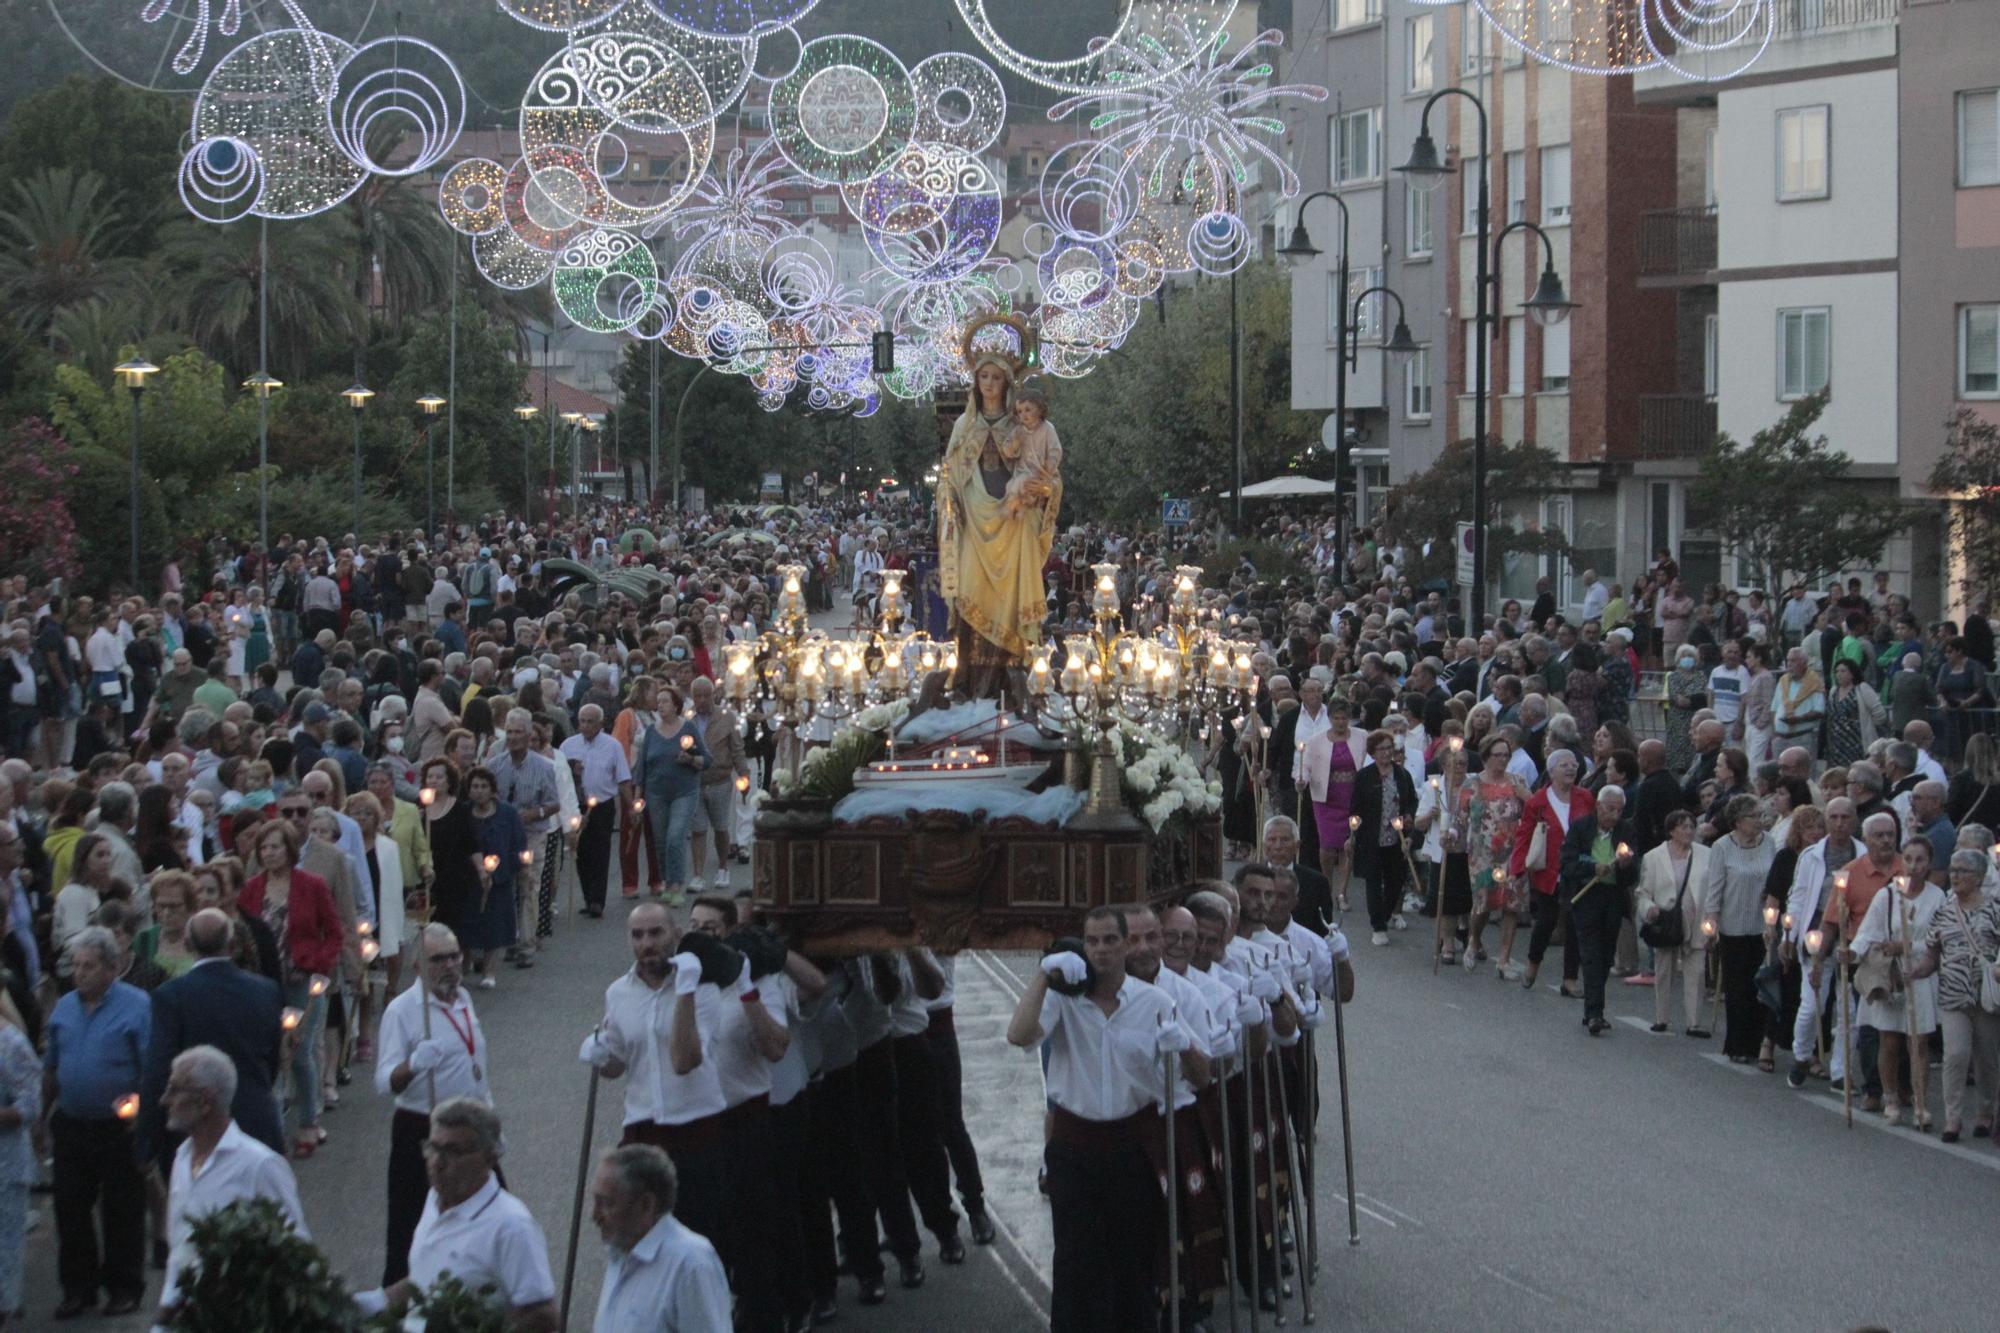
<point>1967,475</point>
<point>1427,507</point>
<point>1784,503</point>
<point>479,426</point>
<point>99,124</point>
<point>59,246</point>
<point>209,277</point>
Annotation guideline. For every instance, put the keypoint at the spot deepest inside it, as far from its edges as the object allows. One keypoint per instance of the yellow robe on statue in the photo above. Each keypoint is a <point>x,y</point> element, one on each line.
<point>992,560</point>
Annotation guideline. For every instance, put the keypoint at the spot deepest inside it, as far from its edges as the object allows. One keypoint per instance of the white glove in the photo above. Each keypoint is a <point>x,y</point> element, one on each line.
<point>1173,1039</point>
<point>594,1052</point>
<point>1066,966</point>
<point>743,985</point>
<point>687,973</point>
<point>1336,944</point>
<point>1314,1013</point>
<point>426,1055</point>
<point>1302,975</point>
<point>1264,985</point>
<point>372,1302</point>
<point>1250,1012</point>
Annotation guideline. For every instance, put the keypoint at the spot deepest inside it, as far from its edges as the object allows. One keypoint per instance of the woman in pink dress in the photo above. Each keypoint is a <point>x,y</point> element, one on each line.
<point>1490,807</point>
<point>1330,768</point>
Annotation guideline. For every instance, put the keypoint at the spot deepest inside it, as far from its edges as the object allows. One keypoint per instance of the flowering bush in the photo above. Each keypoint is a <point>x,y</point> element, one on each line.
<point>37,533</point>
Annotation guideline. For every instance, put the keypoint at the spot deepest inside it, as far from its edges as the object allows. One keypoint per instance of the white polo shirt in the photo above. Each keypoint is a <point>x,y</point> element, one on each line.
<point>910,1015</point>
<point>865,1011</point>
<point>670,1282</point>
<point>1105,1067</point>
<point>638,1025</point>
<point>489,1239</point>
<point>1191,1011</point>
<point>466,1069</point>
<point>239,1168</point>
<point>728,1042</point>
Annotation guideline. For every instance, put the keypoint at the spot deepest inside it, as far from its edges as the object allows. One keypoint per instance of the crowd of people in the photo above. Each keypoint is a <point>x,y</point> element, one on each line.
<point>231,813</point>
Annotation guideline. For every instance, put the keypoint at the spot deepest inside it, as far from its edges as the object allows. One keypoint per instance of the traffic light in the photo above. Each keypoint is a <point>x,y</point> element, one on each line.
<point>885,352</point>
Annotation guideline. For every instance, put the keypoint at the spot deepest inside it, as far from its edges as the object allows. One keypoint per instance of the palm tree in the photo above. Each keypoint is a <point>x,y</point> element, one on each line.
<point>400,242</point>
<point>209,274</point>
<point>58,247</point>
<point>95,334</point>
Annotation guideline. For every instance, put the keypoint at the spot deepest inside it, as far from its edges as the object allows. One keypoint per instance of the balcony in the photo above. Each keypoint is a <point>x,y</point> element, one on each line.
<point>1677,247</point>
<point>1675,425</point>
<point>1806,35</point>
<point>1809,16</point>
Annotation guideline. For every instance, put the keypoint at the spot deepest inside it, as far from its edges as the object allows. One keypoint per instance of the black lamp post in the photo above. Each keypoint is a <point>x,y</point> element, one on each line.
<point>430,405</point>
<point>1548,306</point>
<point>132,374</point>
<point>357,395</point>
<point>263,385</point>
<point>526,413</point>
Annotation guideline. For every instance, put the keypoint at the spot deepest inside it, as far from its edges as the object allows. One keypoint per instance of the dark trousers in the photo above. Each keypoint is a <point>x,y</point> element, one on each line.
<point>835,1176</point>
<point>97,1174</point>
<point>1109,1219</point>
<point>881,1148</point>
<point>409,1185</point>
<point>947,1073</point>
<point>1741,956</point>
<point>925,1167</point>
<point>791,1146</point>
<point>749,1179</point>
<point>1594,919</point>
<point>1868,1055</point>
<point>1549,916</point>
<point>593,852</point>
<point>1385,886</point>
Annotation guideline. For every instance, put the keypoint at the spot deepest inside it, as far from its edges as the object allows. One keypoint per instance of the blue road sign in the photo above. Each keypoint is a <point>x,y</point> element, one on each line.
<point>1176,513</point>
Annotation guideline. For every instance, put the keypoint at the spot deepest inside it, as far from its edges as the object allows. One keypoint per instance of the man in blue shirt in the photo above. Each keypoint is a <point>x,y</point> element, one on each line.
<point>90,1077</point>
<point>451,630</point>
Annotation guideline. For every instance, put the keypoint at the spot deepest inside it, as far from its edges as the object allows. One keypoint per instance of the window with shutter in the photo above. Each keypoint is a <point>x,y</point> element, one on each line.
<point>1555,358</point>
<point>1555,184</point>
<point>1979,137</point>
<point>1804,351</point>
<point>1979,351</point>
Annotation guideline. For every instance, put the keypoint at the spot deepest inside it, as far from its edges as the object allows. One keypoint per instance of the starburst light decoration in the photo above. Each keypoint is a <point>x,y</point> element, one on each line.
<point>1703,40</point>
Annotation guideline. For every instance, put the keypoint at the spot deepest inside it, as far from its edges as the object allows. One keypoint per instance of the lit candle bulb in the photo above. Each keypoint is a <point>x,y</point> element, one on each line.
<point>1813,939</point>
<point>1708,928</point>
<point>1840,881</point>
<point>527,856</point>
<point>1902,883</point>
<point>369,950</point>
<point>1457,743</point>
<point>1624,849</point>
<point>1786,921</point>
<point>1397,823</point>
<point>490,862</point>
<point>590,804</point>
<point>126,1107</point>
<point>364,929</point>
<point>575,823</point>
<point>317,986</point>
<point>1353,823</point>
<point>742,782</point>
<point>687,742</point>
<point>427,795</point>
<point>1770,916</point>
<point>290,1019</point>
<point>638,805</point>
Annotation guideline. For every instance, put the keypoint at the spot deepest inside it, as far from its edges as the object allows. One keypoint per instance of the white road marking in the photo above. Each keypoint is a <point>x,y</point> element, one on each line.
<point>1516,1283</point>
<point>1387,1209</point>
<point>1985,1157</point>
<point>1631,1020</point>
<point>1365,1210</point>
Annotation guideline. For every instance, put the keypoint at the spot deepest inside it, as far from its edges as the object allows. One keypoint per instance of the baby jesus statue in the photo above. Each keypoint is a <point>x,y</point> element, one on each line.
<point>1038,464</point>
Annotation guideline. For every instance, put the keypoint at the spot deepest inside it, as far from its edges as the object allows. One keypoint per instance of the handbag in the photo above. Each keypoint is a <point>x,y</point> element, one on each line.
<point>1538,849</point>
<point>1669,929</point>
<point>1989,985</point>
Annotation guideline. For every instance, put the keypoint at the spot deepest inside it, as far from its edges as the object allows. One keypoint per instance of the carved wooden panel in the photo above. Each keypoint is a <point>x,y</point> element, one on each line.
<point>1124,872</point>
<point>1035,874</point>
<point>805,873</point>
<point>1079,873</point>
<point>764,855</point>
<point>853,872</point>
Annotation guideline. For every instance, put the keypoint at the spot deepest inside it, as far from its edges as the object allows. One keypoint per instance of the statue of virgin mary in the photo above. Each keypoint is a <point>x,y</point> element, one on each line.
<point>990,553</point>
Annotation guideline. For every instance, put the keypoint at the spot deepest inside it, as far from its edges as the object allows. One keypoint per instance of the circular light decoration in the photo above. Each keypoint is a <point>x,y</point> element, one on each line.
<point>724,64</point>
<point>469,196</point>
<point>562,15</point>
<point>1219,244</point>
<point>1087,190</point>
<point>960,101</point>
<point>509,262</point>
<point>733,18</point>
<point>404,86</point>
<point>778,53</point>
<point>602,281</point>
<point>845,112</point>
<point>635,82</point>
<point>583,103</point>
<point>933,215</point>
<point>647,309</point>
<point>550,196</point>
<point>106,40</point>
<point>1178,28</point>
<point>221,180</point>
<point>1703,40</point>
<point>262,94</point>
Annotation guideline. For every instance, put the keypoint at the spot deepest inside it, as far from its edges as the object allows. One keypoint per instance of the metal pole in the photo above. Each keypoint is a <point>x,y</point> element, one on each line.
<point>706,367</point>
<point>1271,1116</point>
<point>263,394</point>
<point>430,483</point>
<point>1481,321</point>
<point>1174,1209</point>
<point>576,1208</point>
<point>357,474</point>
<point>1307,1259</point>
<point>549,410</point>
<point>1236,394</point>
<point>653,434</point>
<point>135,491</point>
<point>1340,415</point>
<point>451,401</point>
<point>527,475</point>
<point>1346,1111</point>
<point>1250,1184</point>
<point>1235,1264</point>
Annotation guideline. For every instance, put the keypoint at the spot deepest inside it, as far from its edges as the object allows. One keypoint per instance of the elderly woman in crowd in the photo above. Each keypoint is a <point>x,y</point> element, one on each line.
<point>1672,879</point>
<point>1962,950</point>
<point>1687,694</point>
<point>298,908</point>
<point>1732,923</point>
<point>1901,1007</point>
<point>1489,810</point>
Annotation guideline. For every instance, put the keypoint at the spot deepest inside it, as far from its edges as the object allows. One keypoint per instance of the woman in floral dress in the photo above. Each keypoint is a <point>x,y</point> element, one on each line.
<point>1489,811</point>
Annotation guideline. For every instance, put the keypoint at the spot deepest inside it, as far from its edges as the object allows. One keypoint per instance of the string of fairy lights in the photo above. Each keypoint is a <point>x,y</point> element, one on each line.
<point>621,201</point>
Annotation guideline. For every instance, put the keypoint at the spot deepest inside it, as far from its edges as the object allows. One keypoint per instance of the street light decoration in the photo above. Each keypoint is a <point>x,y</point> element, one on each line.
<point>357,395</point>
<point>1702,40</point>
<point>431,404</point>
<point>263,384</point>
<point>132,374</point>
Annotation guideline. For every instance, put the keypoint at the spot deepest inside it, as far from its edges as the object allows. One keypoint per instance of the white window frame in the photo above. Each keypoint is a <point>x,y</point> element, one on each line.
<point>1417,385</point>
<point>1555,337</point>
<point>1419,205</point>
<point>1469,336</point>
<point>1802,116</point>
<point>1517,185</point>
<point>1515,329</point>
<point>1356,13</point>
<point>1802,315</point>
<point>1368,326</point>
<point>1478,42</point>
<point>1420,53</point>
<point>1341,166</point>
<point>1966,314</point>
<point>1983,103</point>
<point>1711,354</point>
<point>1556,203</point>
<point>1468,179</point>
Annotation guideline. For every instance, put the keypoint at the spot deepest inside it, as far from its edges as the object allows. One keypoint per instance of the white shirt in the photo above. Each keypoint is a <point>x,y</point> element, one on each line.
<point>1308,726</point>
<point>949,966</point>
<point>603,763</point>
<point>1595,598</point>
<point>1315,951</point>
<point>730,1044</point>
<point>638,1025</point>
<point>488,1240</point>
<point>865,1011</point>
<point>1930,768</point>
<point>793,1071</point>
<point>1191,1007</point>
<point>239,1168</point>
<point>909,1016</point>
<point>24,678</point>
<point>1224,1036</point>
<point>670,1282</point>
<point>1105,1068</point>
<point>1522,765</point>
<point>461,1073</point>
<point>1726,687</point>
<point>103,651</point>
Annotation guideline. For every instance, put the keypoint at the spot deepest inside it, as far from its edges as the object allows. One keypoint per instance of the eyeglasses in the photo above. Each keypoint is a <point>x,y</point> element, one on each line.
<point>432,1148</point>
<point>295,811</point>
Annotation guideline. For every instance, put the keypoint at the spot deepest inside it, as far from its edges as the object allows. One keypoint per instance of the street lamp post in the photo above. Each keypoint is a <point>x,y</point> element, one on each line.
<point>1297,250</point>
<point>263,385</point>
<point>1548,306</point>
<point>705,368</point>
<point>569,419</point>
<point>526,413</point>
<point>357,395</point>
<point>430,404</point>
<point>132,374</point>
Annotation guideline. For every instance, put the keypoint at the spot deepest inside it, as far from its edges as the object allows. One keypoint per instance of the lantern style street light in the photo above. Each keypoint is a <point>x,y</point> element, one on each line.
<point>132,374</point>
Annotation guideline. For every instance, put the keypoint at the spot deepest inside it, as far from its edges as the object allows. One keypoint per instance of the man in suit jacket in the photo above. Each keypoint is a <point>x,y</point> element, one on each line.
<point>217,1004</point>
<point>1315,896</point>
<point>1658,795</point>
<point>1599,867</point>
